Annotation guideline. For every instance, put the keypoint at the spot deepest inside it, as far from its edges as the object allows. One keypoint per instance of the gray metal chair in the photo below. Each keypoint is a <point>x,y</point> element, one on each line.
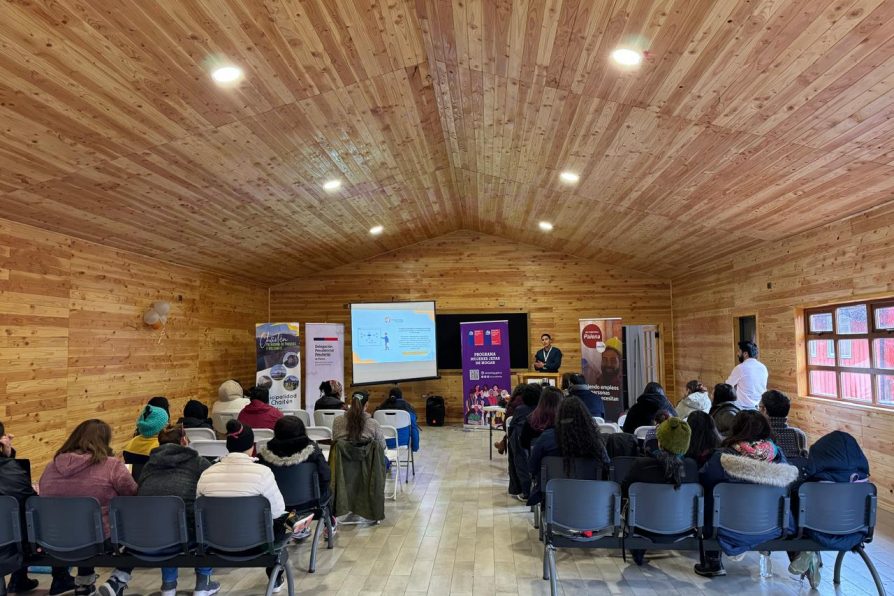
<point>750,510</point>
<point>579,514</point>
<point>660,515</point>
<point>150,528</point>
<point>67,528</point>
<point>840,509</point>
<point>241,529</point>
<point>582,468</point>
<point>300,485</point>
<point>10,536</point>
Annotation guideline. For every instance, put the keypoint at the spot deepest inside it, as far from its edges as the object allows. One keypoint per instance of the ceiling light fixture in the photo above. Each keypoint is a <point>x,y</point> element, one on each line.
<point>546,226</point>
<point>569,177</point>
<point>376,230</point>
<point>332,184</point>
<point>627,57</point>
<point>227,74</point>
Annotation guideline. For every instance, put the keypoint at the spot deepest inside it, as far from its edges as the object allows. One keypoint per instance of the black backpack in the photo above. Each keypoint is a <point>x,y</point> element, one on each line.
<point>435,411</point>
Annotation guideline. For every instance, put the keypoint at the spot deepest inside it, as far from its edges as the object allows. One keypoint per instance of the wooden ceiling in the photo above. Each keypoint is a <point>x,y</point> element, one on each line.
<point>747,122</point>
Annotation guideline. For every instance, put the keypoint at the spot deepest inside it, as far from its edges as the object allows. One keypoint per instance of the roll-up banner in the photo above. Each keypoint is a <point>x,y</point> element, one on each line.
<point>324,356</point>
<point>279,363</point>
<point>486,374</point>
<point>601,361</point>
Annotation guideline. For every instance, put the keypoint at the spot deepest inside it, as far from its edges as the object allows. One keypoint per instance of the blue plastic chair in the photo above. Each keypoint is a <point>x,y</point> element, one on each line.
<point>659,515</point>
<point>150,528</point>
<point>67,528</point>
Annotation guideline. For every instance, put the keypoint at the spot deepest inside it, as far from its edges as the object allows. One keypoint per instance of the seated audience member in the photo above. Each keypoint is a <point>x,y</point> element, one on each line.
<point>15,483</point>
<point>230,401</point>
<point>750,456</point>
<point>647,405</point>
<point>396,401</point>
<point>515,400</point>
<point>775,406</point>
<point>330,396</point>
<point>238,475</point>
<point>650,441</point>
<point>259,413</point>
<point>704,439</point>
<point>174,469</point>
<point>543,416</point>
<point>696,400</point>
<point>665,466</point>
<point>162,402</point>
<point>566,383</point>
<point>357,425</point>
<point>195,415</point>
<point>85,467</point>
<point>574,435</point>
<point>724,409</point>
<point>151,421</point>
<point>519,479</point>
<point>835,457</point>
<point>291,446</point>
<point>581,390</point>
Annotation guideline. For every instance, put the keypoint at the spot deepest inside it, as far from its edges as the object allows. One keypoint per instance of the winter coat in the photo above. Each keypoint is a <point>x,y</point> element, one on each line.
<point>237,475</point>
<point>329,402</point>
<point>545,446</point>
<point>591,400</point>
<point>75,475</point>
<point>14,482</point>
<point>650,470</point>
<point>621,445</point>
<point>257,414</point>
<point>229,401</point>
<point>724,416</point>
<point>279,453</point>
<point>643,411</point>
<point>371,429</point>
<point>195,415</point>
<point>189,422</point>
<point>358,479</point>
<point>528,434</point>
<point>699,401</point>
<point>173,470</point>
<point>727,466</point>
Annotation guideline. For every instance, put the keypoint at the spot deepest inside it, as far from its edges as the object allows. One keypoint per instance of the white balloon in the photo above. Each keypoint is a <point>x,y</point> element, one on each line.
<point>161,307</point>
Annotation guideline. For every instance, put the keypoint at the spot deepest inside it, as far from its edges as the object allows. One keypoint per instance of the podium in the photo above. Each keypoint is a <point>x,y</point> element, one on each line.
<point>533,376</point>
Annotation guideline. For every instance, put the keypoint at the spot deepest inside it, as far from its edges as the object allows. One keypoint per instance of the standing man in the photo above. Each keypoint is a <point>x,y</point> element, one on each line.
<point>749,377</point>
<point>548,358</point>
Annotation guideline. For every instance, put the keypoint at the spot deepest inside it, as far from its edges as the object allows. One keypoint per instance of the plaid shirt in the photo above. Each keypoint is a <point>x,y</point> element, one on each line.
<point>786,437</point>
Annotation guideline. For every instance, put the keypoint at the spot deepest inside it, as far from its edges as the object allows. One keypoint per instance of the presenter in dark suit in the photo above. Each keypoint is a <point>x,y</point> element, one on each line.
<point>548,358</point>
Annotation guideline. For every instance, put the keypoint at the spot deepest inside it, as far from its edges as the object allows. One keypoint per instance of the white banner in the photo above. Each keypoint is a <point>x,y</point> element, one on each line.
<point>324,356</point>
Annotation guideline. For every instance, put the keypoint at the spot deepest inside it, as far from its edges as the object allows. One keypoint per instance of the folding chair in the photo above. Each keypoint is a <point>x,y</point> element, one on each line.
<point>262,434</point>
<point>326,417</point>
<point>200,434</point>
<point>211,449</point>
<point>302,414</point>
<point>598,420</point>
<point>641,432</point>
<point>393,455</point>
<point>609,428</point>
<point>400,420</point>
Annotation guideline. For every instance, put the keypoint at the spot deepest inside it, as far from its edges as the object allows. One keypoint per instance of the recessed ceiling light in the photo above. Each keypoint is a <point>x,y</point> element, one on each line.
<point>227,74</point>
<point>627,57</point>
<point>569,177</point>
<point>546,226</point>
<point>376,230</point>
<point>332,184</point>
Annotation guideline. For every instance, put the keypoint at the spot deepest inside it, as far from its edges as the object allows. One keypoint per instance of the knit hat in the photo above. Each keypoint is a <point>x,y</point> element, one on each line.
<point>151,421</point>
<point>240,438</point>
<point>195,409</point>
<point>673,436</point>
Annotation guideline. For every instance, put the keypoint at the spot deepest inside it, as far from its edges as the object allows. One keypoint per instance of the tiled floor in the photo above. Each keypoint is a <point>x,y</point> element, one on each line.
<point>455,531</point>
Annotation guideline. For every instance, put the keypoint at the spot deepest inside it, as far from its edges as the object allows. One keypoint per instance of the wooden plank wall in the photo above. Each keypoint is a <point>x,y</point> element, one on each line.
<point>840,262</point>
<point>72,343</point>
<point>469,272</point>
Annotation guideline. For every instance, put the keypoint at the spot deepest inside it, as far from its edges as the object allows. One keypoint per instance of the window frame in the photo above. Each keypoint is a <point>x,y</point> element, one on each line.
<point>873,332</point>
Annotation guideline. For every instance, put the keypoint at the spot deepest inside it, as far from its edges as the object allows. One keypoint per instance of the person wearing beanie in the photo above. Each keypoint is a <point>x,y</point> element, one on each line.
<point>666,466</point>
<point>151,421</point>
<point>239,475</point>
<point>259,413</point>
<point>195,415</point>
<point>396,401</point>
<point>230,401</point>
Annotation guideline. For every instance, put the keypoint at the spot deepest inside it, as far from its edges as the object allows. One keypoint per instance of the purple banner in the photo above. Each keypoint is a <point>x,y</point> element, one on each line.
<point>486,375</point>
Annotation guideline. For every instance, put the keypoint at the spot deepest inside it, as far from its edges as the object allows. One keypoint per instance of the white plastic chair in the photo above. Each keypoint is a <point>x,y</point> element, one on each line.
<point>200,434</point>
<point>622,419</point>
<point>302,414</point>
<point>393,456</point>
<point>641,432</point>
<point>260,443</point>
<point>262,434</point>
<point>598,420</point>
<point>326,417</point>
<point>608,428</point>
<point>399,419</point>
<point>207,448</point>
<point>320,433</point>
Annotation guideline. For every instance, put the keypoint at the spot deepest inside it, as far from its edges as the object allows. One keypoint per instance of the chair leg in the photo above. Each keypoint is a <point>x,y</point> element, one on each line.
<point>290,580</point>
<point>327,515</point>
<point>534,510</point>
<point>872,570</point>
<point>312,565</point>
<point>545,561</point>
<point>271,582</point>
<point>413,461</point>
<point>553,579</point>
<point>838,560</point>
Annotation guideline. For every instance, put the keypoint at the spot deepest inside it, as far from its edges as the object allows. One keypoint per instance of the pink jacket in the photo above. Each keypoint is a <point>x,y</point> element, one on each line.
<point>73,475</point>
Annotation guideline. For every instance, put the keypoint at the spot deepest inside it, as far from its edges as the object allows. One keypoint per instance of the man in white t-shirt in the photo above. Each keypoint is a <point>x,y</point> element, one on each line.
<point>749,377</point>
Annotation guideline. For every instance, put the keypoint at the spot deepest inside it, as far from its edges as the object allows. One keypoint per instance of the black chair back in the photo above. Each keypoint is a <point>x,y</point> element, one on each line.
<point>10,535</point>
<point>662,509</point>
<point>234,528</point>
<point>750,509</point>
<point>592,505</point>
<point>837,508</point>
<point>151,528</point>
<point>298,484</point>
<point>68,528</point>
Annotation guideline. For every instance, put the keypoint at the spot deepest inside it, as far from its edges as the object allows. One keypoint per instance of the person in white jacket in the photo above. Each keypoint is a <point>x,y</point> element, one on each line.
<point>230,401</point>
<point>239,475</point>
<point>697,399</point>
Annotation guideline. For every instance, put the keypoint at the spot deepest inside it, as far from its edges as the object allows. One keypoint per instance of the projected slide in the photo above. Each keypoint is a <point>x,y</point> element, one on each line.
<point>393,341</point>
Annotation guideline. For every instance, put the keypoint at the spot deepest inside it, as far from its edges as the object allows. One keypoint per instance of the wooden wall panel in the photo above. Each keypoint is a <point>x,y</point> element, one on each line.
<point>840,262</point>
<point>470,272</point>
<point>73,346</point>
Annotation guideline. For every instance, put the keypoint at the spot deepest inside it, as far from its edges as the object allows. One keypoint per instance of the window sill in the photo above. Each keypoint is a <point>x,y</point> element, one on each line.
<point>848,404</point>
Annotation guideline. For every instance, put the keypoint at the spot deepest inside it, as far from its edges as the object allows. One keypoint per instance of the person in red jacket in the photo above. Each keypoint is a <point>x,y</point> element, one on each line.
<point>259,413</point>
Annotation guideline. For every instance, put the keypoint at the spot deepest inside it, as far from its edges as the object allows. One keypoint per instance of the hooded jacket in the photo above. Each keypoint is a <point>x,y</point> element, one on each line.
<point>698,401</point>
<point>173,470</point>
<point>329,402</point>
<point>195,415</point>
<point>643,411</point>
<point>257,414</point>
<point>591,400</point>
<point>229,401</point>
<point>294,451</point>
<point>358,479</point>
<point>238,475</point>
<point>75,475</point>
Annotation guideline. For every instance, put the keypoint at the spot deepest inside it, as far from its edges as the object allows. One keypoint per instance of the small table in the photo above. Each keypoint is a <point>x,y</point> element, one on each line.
<point>490,426</point>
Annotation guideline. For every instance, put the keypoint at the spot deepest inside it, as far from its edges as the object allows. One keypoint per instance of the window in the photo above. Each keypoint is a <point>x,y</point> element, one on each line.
<point>850,352</point>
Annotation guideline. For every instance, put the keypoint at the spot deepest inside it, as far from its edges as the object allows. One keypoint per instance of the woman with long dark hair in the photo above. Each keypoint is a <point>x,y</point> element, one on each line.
<point>543,416</point>
<point>724,408</point>
<point>705,438</point>
<point>357,425</point>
